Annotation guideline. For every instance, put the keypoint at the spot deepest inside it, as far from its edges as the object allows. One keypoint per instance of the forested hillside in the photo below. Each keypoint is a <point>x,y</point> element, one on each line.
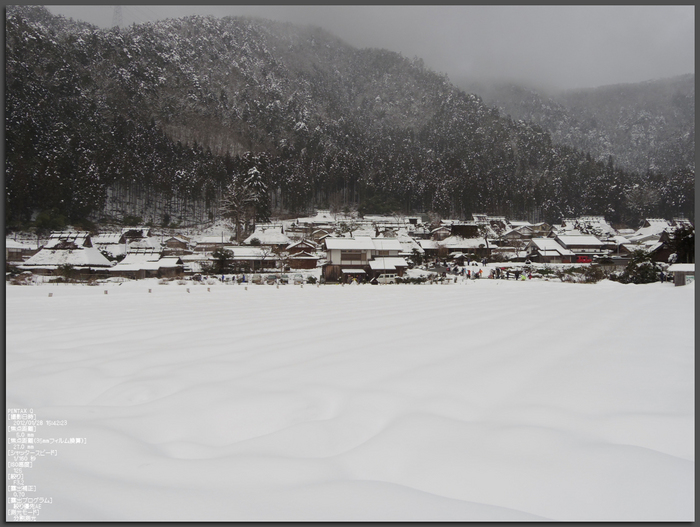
<point>648,127</point>
<point>156,120</point>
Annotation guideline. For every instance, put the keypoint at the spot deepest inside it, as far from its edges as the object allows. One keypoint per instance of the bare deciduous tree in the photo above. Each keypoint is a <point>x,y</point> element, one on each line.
<point>238,205</point>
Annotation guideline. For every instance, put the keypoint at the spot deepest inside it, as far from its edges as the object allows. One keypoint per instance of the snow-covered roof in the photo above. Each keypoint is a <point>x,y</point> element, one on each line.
<point>655,246</point>
<point>138,260</point>
<point>654,230</point>
<point>251,253</point>
<point>140,231</point>
<point>196,257</point>
<point>619,240</point>
<point>578,240</point>
<point>169,261</point>
<point>361,233</point>
<point>301,243</point>
<point>658,221</point>
<point>222,238</point>
<point>387,244</point>
<point>448,222</point>
<point>149,243</point>
<point>522,230</point>
<point>81,257</point>
<point>180,239</point>
<point>495,230</point>
<point>387,262</point>
<point>146,264</point>
<point>682,268</point>
<point>63,238</point>
<point>570,230</point>
<point>143,266</point>
<point>322,216</point>
<point>596,224</point>
<point>429,244</point>
<point>384,219</point>
<point>212,242</point>
<point>682,222</point>
<point>631,247</point>
<point>107,238</point>
<point>408,244</point>
<point>140,257</point>
<point>549,246</point>
<point>201,257</point>
<point>269,237</point>
<point>457,242</point>
<point>363,243</point>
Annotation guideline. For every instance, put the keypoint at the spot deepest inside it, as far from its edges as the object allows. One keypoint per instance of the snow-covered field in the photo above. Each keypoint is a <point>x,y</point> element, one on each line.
<point>486,400</point>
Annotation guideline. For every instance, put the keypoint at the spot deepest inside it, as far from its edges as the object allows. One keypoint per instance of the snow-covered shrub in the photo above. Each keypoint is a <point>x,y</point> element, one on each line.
<point>67,271</point>
<point>589,274</point>
<point>593,274</point>
<point>497,257</point>
<point>545,271</point>
<point>416,257</point>
<point>640,270</point>
<point>412,280</point>
<point>22,279</point>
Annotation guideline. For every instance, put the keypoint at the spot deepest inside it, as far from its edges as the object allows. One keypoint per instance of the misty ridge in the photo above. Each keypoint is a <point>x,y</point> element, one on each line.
<point>157,120</point>
<point>646,126</point>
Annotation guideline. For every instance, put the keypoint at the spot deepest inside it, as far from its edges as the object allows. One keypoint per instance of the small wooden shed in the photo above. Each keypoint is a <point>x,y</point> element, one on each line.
<point>683,273</point>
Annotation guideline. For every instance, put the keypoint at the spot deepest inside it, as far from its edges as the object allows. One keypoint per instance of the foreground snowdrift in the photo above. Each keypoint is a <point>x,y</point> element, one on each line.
<point>489,400</point>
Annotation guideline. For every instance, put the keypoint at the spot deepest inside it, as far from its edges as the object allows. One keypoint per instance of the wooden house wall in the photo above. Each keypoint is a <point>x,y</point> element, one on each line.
<point>302,264</point>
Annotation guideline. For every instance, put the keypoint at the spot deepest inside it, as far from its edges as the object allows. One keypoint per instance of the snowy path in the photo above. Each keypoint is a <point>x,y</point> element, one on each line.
<point>490,400</point>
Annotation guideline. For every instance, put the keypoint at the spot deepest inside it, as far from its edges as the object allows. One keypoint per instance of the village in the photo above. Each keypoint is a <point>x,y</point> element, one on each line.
<point>343,248</point>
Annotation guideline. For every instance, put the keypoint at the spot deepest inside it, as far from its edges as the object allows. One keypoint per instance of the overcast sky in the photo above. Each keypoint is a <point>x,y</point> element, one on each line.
<point>544,46</point>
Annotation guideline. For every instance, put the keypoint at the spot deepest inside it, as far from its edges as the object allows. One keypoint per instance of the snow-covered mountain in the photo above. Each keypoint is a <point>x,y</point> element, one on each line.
<point>154,121</point>
<point>646,126</point>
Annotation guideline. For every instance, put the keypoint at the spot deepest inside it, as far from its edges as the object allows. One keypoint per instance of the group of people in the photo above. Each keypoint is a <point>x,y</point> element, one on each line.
<point>495,273</point>
<point>499,273</point>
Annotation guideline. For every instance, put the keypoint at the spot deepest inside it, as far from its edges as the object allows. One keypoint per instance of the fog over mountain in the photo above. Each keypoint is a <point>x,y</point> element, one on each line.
<point>158,119</point>
<point>643,127</point>
<point>557,46</point>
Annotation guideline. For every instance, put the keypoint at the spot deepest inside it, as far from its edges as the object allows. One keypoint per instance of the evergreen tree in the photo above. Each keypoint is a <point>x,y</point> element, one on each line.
<point>683,243</point>
<point>640,269</point>
<point>223,258</point>
<point>255,182</point>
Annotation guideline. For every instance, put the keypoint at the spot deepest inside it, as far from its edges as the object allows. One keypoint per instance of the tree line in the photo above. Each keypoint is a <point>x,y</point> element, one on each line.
<point>163,120</point>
